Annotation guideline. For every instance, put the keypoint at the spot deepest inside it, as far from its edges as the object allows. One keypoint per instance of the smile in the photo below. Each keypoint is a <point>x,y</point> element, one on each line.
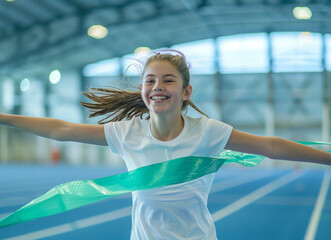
<point>159,98</point>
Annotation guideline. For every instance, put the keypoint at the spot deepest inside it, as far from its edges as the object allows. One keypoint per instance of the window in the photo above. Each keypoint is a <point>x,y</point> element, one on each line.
<point>200,55</point>
<point>243,53</point>
<point>109,67</point>
<point>328,52</point>
<point>297,52</point>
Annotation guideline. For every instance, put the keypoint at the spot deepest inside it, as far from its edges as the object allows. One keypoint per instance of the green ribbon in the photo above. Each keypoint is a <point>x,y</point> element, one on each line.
<point>313,143</point>
<point>75,194</point>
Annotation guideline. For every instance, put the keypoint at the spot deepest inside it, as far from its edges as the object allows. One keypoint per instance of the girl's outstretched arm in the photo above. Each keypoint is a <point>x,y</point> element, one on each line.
<point>56,129</point>
<point>276,148</point>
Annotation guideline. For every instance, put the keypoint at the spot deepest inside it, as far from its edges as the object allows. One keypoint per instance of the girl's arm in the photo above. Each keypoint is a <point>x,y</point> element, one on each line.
<point>276,148</point>
<point>57,129</point>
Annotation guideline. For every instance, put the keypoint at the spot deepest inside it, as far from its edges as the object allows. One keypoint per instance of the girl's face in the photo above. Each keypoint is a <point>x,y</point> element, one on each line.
<point>162,89</point>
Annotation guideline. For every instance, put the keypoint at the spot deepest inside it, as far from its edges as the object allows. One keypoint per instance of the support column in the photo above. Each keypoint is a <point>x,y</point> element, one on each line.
<point>83,88</point>
<point>218,80</point>
<point>270,102</point>
<point>43,145</point>
<point>270,109</point>
<point>47,93</point>
<point>85,149</point>
<point>4,155</point>
<point>326,100</point>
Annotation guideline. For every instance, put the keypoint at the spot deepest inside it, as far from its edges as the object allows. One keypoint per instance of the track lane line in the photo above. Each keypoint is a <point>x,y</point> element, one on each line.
<point>68,227</point>
<point>257,194</point>
<point>230,183</point>
<point>317,212</point>
<point>2,215</point>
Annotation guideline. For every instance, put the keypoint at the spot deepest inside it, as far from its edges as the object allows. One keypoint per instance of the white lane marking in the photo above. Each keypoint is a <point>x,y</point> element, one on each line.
<point>248,199</point>
<point>272,200</point>
<point>102,218</point>
<point>68,227</point>
<point>22,200</point>
<point>230,183</point>
<point>2,215</point>
<point>25,190</point>
<point>319,204</point>
<point>44,233</point>
<point>14,201</point>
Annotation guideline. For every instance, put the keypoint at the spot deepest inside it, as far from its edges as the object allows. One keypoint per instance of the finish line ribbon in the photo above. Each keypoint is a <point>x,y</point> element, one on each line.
<point>78,193</point>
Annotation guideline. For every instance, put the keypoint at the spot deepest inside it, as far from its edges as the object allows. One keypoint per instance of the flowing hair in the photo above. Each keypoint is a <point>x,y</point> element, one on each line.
<point>116,104</point>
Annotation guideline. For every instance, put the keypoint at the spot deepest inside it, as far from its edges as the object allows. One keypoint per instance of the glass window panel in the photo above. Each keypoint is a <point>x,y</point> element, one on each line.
<point>110,67</point>
<point>296,52</point>
<point>33,99</point>
<point>8,94</point>
<point>200,55</point>
<point>243,53</point>
<point>328,52</point>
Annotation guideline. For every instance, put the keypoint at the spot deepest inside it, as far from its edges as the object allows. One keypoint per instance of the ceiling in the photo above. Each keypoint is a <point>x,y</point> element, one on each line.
<point>38,36</point>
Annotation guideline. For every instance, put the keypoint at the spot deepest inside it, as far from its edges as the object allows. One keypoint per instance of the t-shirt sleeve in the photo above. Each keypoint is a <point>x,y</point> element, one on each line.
<point>217,136</point>
<point>114,136</point>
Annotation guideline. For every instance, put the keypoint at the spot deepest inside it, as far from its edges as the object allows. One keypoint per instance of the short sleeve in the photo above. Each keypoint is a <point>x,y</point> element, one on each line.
<point>114,136</point>
<point>217,135</point>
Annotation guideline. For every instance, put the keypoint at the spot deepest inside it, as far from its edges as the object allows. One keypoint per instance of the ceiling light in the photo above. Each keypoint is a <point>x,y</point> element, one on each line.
<point>302,13</point>
<point>55,77</point>
<point>97,31</point>
<point>140,50</point>
<point>25,85</point>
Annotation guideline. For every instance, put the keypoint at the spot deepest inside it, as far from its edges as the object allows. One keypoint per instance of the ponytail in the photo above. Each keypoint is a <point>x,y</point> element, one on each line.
<point>114,104</point>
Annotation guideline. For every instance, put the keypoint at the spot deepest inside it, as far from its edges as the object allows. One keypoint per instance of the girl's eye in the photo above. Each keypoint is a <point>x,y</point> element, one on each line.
<point>149,81</point>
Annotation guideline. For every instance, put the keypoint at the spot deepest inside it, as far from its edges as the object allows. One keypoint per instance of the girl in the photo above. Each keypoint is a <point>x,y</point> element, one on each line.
<point>177,211</point>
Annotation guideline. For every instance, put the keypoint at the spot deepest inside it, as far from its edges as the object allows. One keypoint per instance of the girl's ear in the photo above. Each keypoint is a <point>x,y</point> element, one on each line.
<point>187,93</point>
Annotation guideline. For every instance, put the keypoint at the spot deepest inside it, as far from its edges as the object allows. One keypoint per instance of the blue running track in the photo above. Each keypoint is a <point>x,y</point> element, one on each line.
<point>246,203</point>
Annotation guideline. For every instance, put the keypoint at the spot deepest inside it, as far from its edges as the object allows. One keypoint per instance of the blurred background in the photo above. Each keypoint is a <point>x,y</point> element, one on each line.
<point>262,66</point>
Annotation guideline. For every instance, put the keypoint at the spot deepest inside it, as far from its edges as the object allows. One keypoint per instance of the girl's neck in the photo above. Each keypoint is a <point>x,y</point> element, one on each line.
<point>166,128</point>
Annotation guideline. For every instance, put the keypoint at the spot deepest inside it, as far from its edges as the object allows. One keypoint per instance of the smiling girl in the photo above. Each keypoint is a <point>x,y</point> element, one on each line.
<point>177,211</point>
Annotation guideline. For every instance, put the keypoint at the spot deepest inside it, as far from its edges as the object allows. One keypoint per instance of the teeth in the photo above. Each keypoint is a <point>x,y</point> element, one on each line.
<point>158,98</point>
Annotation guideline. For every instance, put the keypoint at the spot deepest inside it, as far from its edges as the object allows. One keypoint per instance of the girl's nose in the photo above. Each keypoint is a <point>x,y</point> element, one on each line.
<point>158,86</point>
<point>158,89</point>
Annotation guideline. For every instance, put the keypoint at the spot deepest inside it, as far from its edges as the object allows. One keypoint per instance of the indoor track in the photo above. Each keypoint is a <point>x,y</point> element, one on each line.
<point>246,203</point>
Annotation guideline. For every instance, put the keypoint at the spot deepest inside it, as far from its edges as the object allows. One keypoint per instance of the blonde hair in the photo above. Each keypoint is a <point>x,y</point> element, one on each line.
<point>117,104</point>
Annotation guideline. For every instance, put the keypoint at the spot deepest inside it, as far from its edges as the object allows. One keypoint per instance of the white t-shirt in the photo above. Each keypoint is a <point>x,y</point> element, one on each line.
<point>177,211</point>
